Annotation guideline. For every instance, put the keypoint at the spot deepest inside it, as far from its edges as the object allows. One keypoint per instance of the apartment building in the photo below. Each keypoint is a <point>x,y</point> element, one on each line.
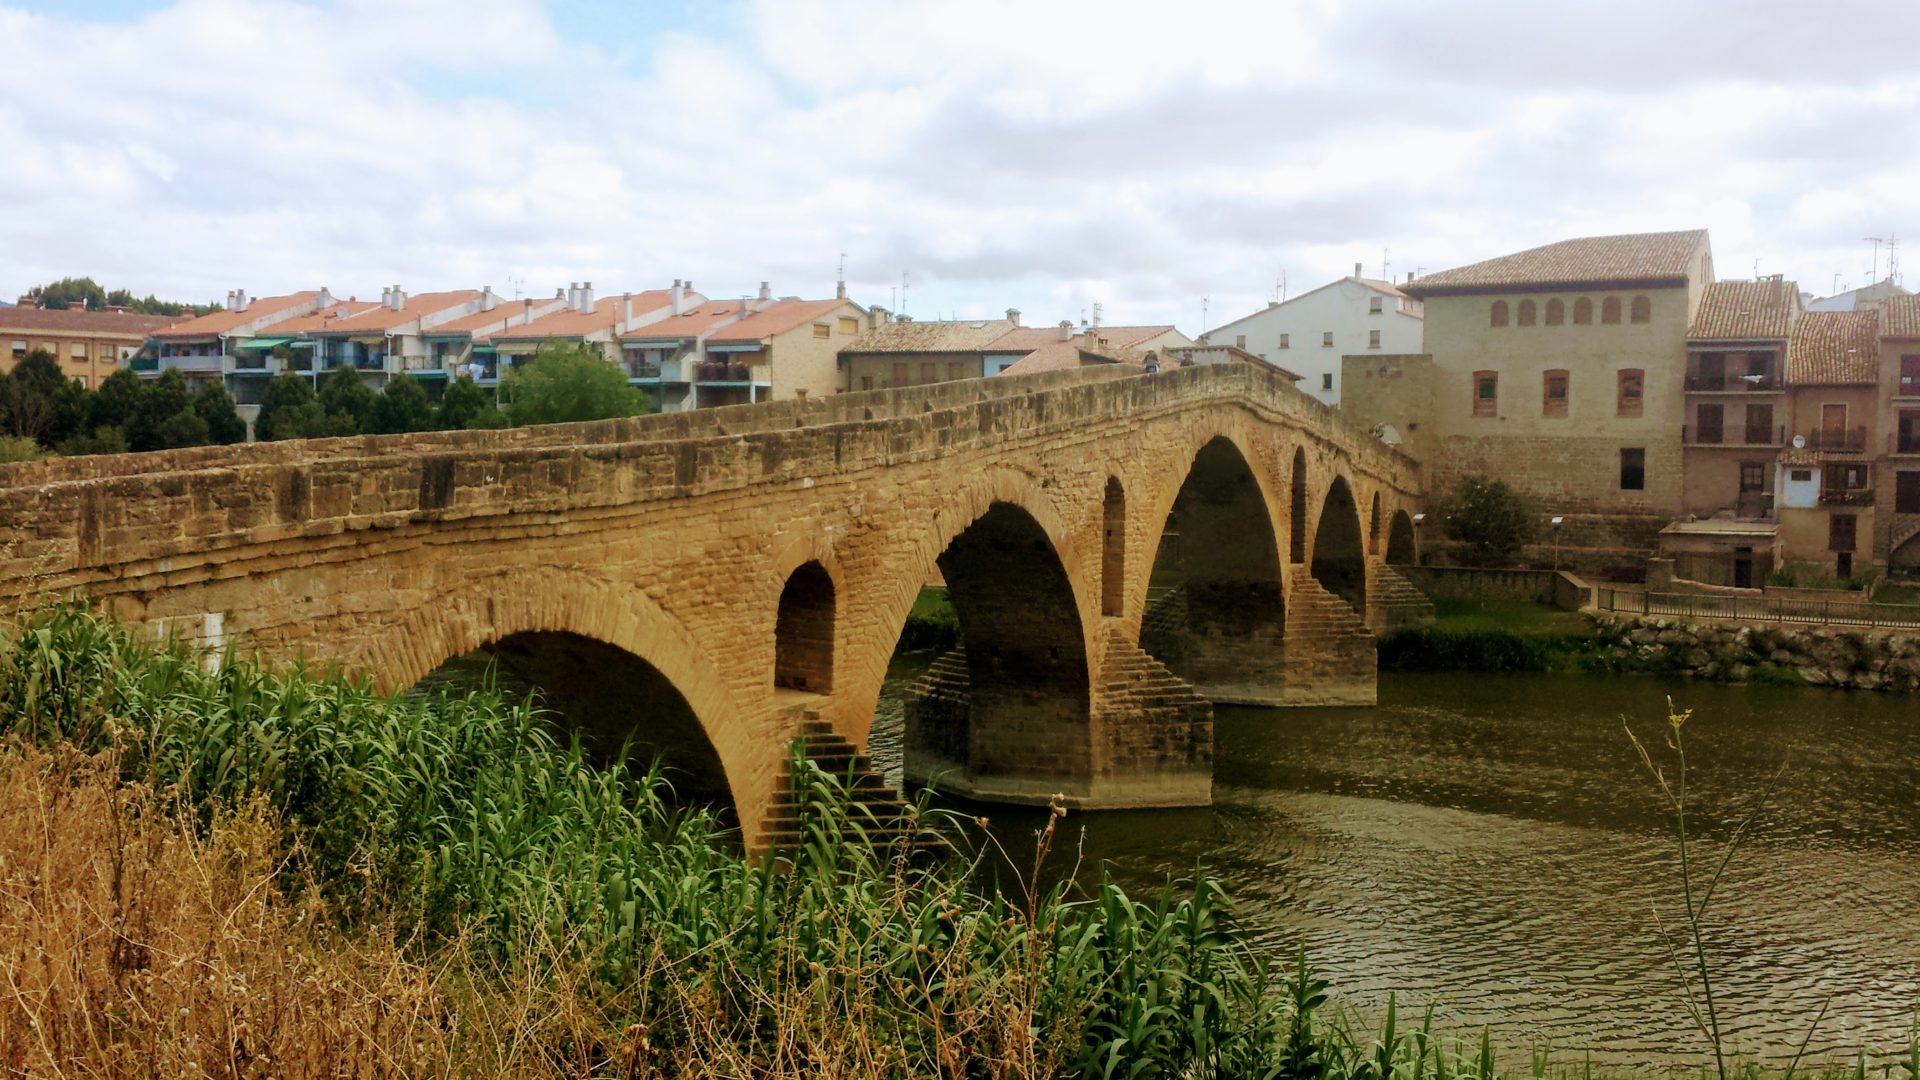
<point>389,338</point>
<point>89,345</point>
<point>575,314</point>
<point>1898,482</point>
<point>1312,332</point>
<point>203,349</point>
<point>788,349</point>
<point>901,352</point>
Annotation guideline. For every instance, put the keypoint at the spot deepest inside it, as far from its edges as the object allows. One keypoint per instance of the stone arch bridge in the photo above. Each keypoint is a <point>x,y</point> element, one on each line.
<point>713,582</point>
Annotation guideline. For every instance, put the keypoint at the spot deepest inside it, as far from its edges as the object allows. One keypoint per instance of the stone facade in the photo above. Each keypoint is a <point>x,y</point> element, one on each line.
<point>670,541</point>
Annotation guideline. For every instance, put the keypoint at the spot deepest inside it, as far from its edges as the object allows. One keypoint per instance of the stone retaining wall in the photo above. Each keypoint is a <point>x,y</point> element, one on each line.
<point>1817,655</point>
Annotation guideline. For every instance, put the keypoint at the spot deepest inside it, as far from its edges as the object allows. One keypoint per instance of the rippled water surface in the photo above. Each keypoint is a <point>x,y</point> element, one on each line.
<point>1492,845</point>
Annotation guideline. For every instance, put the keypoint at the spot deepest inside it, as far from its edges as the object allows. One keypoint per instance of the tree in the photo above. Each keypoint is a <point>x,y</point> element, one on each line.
<point>402,407</point>
<point>184,428</point>
<point>160,400</point>
<point>1488,518</point>
<point>215,408</point>
<point>568,382</point>
<point>466,405</point>
<point>347,400</point>
<point>42,403</point>
<point>116,402</point>
<point>100,440</point>
<point>289,410</point>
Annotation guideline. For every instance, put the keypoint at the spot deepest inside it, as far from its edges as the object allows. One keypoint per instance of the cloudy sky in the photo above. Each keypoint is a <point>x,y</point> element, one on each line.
<point>1040,154</point>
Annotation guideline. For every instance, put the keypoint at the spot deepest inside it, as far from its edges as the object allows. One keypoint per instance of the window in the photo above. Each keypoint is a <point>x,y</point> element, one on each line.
<point>1906,493</point>
<point>866,382</point>
<point>1760,425</point>
<point>19,349</point>
<point>849,325</point>
<point>956,369</point>
<point>1633,468</point>
<point>1801,476</point>
<point>1556,313</point>
<point>1326,339</point>
<point>1486,393</point>
<point>1373,339</point>
<point>1842,531</point>
<point>84,381</point>
<point>1498,317</point>
<point>1285,341</point>
<point>1633,383</point>
<point>1527,313</point>
<point>1583,312</point>
<point>1240,341</point>
<point>927,371</point>
<point>51,348</point>
<point>899,374</point>
<point>1373,305</point>
<point>78,350</point>
<point>1610,311</point>
<point>822,330</point>
<point>1909,374</point>
<point>1753,476</point>
<point>1709,423</point>
<point>1554,394</point>
<point>106,353</point>
<point>1326,380</point>
<point>1642,310</point>
<point>1846,476</point>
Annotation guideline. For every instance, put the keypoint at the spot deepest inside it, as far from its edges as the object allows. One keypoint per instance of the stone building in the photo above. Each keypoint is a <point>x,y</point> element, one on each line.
<point>790,349</point>
<point>90,345</point>
<point>901,352</point>
<point>1898,480</point>
<point>1826,500</point>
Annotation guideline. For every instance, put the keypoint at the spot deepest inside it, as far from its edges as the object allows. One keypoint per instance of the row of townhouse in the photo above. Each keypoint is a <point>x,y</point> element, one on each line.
<point>688,351</point>
<point>88,345</point>
<point>1720,424</point>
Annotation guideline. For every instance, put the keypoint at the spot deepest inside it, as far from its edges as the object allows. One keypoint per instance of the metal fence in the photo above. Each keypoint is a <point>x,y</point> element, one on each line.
<point>1760,609</point>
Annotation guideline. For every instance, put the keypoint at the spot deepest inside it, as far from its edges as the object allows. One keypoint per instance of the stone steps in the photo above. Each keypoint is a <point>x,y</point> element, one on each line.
<point>877,806</point>
<point>1398,604</point>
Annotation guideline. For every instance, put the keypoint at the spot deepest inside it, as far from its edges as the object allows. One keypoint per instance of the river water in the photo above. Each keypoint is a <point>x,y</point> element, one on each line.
<point>1492,845</point>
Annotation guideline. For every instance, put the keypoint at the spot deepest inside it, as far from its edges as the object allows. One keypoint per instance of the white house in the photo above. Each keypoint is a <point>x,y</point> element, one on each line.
<point>1311,332</point>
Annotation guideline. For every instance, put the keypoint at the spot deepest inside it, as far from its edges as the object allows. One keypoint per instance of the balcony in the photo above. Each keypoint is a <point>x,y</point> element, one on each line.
<point>1694,435</point>
<point>1907,387</point>
<point>1846,497</point>
<point>715,372</point>
<point>641,371</point>
<point>1851,440</point>
<point>1704,383</point>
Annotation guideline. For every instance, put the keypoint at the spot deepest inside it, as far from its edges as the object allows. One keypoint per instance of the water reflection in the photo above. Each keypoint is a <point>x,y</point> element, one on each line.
<point>1492,846</point>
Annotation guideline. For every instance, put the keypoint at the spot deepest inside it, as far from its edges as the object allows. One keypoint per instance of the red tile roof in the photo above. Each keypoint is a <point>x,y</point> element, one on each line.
<point>1834,348</point>
<point>608,313</point>
<point>504,311</point>
<point>321,320</point>
<point>780,317</point>
<point>1663,258</point>
<point>215,323</point>
<point>77,321</point>
<point>941,336</point>
<point>695,322</point>
<point>380,318</point>
<point>1903,317</point>
<point>1746,310</point>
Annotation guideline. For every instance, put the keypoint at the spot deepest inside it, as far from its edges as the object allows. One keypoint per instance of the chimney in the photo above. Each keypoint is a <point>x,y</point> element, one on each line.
<point>325,301</point>
<point>766,291</point>
<point>1356,269</point>
<point>399,299</point>
<point>573,296</point>
<point>239,299</point>
<point>1066,329</point>
<point>1273,304</point>
<point>1409,277</point>
<point>839,290</point>
<point>626,308</point>
<point>1013,315</point>
<point>386,296</point>
<point>526,311</point>
<point>877,316</point>
<point>488,301</point>
<point>230,303</point>
<point>676,297</point>
<point>586,296</point>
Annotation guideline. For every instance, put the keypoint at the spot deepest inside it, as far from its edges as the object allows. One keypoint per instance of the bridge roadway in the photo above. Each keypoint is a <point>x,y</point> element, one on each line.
<point>708,582</point>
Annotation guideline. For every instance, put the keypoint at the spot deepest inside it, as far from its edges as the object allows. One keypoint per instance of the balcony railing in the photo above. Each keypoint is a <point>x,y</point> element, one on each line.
<point>1693,435</point>
<point>1851,440</point>
<point>639,370</point>
<point>1716,384</point>
<point>716,371</point>
<point>1909,386</point>
<point>1846,497</point>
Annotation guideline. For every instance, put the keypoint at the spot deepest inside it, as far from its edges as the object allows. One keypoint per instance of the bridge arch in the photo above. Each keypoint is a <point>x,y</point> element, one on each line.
<point>1339,555</point>
<point>1401,549</point>
<point>804,630</point>
<point>598,649</point>
<point>1297,502</point>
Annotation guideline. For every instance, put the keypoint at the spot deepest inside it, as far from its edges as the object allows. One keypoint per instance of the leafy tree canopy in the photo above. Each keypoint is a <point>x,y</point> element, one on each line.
<point>402,407</point>
<point>568,382</point>
<point>86,293</point>
<point>347,400</point>
<point>1490,520</point>
<point>215,408</point>
<point>466,405</point>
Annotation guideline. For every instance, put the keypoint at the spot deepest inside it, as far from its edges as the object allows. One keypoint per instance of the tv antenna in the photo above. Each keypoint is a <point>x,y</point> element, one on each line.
<point>1280,286</point>
<point>1203,315</point>
<point>1874,276</point>
<point>906,283</point>
<point>1385,266</point>
<point>1098,310</point>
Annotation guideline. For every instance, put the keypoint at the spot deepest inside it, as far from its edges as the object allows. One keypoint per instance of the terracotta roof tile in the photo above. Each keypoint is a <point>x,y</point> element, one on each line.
<point>1746,310</point>
<point>381,319</point>
<point>1903,317</point>
<point>1633,258</point>
<point>778,318</point>
<point>953,335</point>
<point>505,311</point>
<point>321,320</point>
<point>76,321</point>
<point>1831,348</point>
<point>219,322</point>
<point>608,312</point>
<point>695,322</point>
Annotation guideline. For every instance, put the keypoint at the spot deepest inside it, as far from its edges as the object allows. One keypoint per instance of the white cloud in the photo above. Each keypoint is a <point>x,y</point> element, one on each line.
<point>1004,152</point>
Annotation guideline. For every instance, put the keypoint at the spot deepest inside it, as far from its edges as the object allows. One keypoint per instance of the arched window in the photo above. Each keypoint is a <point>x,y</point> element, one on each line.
<point>803,631</point>
<point>1610,311</point>
<point>1556,313</point>
<point>1527,313</point>
<point>1642,310</point>
<point>1113,561</point>
<point>1583,312</point>
<point>1499,316</point>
